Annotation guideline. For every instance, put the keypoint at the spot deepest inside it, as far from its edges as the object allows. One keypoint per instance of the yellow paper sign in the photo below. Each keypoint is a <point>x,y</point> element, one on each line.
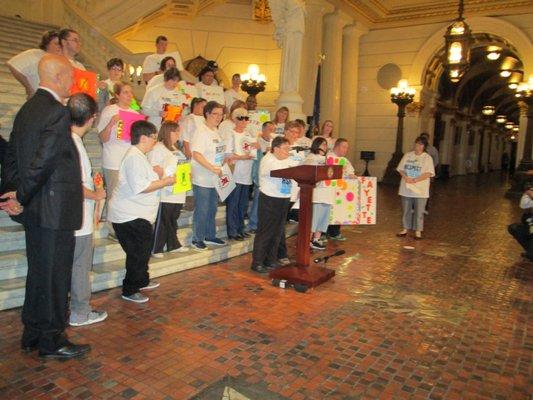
<point>183,179</point>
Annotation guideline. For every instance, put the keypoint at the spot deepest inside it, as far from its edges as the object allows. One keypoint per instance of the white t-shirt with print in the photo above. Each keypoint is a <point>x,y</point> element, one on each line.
<point>211,92</point>
<point>274,187</point>
<point>242,173</point>
<point>167,160</point>
<point>156,98</point>
<point>114,149</point>
<point>128,202</point>
<point>415,165</point>
<point>207,142</point>
<point>87,181</point>
<point>152,62</point>
<point>231,95</point>
<point>27,64</point>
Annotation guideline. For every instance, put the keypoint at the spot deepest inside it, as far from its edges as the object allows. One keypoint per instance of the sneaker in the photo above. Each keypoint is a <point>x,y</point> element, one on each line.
<point>215,241</point>
<point>136,298</point>
<point>182,249</point>
<point>158,255</point>
<point>426,212</point>
<point>292,221</point>
<point>315,244</point>
<point>339,237</point>
<point>284,261</point>
<point>259,269</point>
<point>93,318</point>
<point>199,246</point>
<point>252,231</point>
<point>151,285</point>
<point>418,235</point>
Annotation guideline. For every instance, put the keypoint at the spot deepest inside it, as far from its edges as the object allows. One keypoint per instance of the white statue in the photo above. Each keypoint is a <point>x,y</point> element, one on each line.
<point>289,18</point>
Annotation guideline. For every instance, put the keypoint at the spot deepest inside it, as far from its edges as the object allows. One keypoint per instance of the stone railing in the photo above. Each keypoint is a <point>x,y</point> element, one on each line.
<point>98,47</point>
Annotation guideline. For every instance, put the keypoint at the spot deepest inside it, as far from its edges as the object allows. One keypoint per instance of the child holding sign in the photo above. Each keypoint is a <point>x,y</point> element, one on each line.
<point>166,156</point>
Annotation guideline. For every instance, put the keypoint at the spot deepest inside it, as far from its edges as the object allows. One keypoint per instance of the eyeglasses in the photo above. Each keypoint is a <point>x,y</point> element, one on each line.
<point>153,136</point>
<point>75,40</point>
<point>116,69</point>
<point>244,118</point>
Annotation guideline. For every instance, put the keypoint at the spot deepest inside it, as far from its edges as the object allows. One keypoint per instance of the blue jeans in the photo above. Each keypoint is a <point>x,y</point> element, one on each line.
<point>252,223</point>
<point>236,205</point>
<point>205,210</point>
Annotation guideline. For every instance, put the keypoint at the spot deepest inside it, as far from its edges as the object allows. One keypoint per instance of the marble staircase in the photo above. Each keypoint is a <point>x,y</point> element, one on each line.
<point>108,260</point>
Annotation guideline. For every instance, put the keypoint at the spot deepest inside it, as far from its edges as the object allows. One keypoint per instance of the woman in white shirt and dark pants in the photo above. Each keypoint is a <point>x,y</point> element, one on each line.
<point>274,198</point>
<point>133,209</point>
<point>166,156</point>
<point>416,169</point>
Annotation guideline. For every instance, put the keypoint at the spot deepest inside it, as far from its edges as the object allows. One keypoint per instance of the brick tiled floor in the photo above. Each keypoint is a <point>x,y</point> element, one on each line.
<point>448,320</point>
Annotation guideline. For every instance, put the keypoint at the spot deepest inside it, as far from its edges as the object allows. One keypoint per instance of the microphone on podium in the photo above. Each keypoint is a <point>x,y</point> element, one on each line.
<point>326,258</point>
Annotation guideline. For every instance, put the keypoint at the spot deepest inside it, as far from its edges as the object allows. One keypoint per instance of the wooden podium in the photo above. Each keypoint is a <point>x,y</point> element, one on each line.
<point>301,272</point>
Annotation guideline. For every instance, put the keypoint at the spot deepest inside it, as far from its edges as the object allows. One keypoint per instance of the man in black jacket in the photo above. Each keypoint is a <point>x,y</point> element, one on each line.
<point>42,178</point>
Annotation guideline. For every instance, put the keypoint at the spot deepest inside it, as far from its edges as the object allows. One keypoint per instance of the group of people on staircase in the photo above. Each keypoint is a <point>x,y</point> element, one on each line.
<point>47,181</point>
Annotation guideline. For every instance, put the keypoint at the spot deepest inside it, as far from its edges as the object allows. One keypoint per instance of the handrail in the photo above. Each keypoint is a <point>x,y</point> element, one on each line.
<point>98,47</point>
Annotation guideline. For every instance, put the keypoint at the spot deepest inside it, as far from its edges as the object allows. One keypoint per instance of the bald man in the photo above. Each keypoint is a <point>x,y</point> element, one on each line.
<point>41,179</point>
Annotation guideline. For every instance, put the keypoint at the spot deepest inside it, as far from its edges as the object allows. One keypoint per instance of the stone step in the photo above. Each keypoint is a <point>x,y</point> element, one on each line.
<point>26,38</point>
<point>13,264</point>
<point>22,24</point>
<point>110,274</point>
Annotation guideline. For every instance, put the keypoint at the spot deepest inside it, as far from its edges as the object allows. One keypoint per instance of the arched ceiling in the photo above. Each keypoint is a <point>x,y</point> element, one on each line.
<point>482,84</point>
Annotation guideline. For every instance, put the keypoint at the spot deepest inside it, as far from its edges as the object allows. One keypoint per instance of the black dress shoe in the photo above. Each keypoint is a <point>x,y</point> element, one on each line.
<point>260,269</point>
<point>239,238</point>
<point>66,352</point>
<point>28,348</point>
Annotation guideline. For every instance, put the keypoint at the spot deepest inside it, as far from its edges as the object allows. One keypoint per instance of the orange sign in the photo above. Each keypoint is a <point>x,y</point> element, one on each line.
<point>84,82</point>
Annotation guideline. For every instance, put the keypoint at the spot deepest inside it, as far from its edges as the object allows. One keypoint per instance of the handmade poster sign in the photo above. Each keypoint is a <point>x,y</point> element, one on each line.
<point>127,118</point>
<point>84,82</point>
<point>183,178</point>
<point>224,184</point>
<point>355,201</point>
<point>173,113</point>
<point>257,119</point>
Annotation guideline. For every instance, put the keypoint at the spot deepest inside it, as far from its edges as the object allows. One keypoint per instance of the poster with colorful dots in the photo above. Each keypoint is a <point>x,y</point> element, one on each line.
<point>355,201</point>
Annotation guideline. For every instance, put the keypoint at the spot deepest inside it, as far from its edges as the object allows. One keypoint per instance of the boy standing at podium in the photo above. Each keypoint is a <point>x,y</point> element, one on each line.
<point>274,200</point>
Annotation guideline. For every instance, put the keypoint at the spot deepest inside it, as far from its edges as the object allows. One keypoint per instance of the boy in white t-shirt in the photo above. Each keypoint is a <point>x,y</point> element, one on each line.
<point>133,209</point>
<point>82,111</point>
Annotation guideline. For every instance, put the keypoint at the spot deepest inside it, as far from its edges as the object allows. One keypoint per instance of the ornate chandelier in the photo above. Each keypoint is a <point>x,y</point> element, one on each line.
<point>262,11</point>
<point>458,40</point>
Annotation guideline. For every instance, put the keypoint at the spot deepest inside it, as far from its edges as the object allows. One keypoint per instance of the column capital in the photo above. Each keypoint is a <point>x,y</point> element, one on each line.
<point>355,28</point>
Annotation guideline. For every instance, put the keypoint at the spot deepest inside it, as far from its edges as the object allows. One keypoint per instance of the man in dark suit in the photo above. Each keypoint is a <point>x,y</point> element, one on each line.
<point>41,179</point>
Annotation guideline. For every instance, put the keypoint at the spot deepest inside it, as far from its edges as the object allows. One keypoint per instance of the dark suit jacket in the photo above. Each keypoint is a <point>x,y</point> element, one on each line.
<point>42,165</point>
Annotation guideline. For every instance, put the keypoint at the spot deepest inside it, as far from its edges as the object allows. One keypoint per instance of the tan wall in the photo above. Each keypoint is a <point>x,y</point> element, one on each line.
<point>225,33</point>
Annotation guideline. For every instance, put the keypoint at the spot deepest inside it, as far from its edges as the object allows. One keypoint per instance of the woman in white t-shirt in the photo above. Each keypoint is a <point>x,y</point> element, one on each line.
<point>416,169</point>
<point>273,206</point>
<point>166,156</point>
<point>243,148</point>
<point>190,123</point>
<point>323,196</point>
<point>226,127</point>
<point>156,100</point>
<point>114,148</point>
<point>327,133</point>
<point>208,156</point>
<point>280,119</point>
<point>24,66</point>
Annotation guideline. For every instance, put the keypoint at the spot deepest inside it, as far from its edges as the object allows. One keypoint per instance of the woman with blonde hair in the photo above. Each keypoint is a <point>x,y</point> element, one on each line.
<point>166,156</point>
<point>281,117</point>
<point>327,133</point>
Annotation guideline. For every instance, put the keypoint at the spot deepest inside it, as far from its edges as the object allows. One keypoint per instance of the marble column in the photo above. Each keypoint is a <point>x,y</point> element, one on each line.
<point>521,136</point>
<point>349,84</point>
<point>311,51</point>
<point>288,17</point>
<point>462,149</point>
<point>330,85</point>
<point>446,146</point>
